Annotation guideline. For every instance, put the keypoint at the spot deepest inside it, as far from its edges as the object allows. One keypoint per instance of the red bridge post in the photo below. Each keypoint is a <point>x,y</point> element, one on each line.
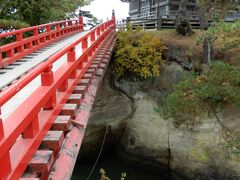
<point>24,129</point>
<point>98,31</point>
<point>92,37</point>
<point>36,33</point>
<point>32,129</point>
<point>1,63</point>
<point>71,57</point>
<point>47,79</point>
<point>48,29</point>
<point>1,127</point>
<point>5,163</point>
<point>84,44</point>
<point>19,37</point>
<point>81,20</point>
<point>114,18</point>
<point>5,166</point>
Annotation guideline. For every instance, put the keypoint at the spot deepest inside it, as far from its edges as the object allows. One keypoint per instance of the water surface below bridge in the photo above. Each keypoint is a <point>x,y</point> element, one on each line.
<point>113,168</point>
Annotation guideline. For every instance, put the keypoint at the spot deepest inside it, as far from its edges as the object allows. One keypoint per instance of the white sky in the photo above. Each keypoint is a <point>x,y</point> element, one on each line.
<point>102,9</point>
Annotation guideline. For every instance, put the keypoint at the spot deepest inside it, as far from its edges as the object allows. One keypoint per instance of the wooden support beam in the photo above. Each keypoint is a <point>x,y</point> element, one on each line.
<point>93,66</point>
<point>75,99</point>
<point>87,76</point>
<point>62,123</point>
<point>70,110</point>
<point>80,89</point>
<point>84,82</point>
<point>53,141</point>
<point>91,71</point>
<point>41,162</point>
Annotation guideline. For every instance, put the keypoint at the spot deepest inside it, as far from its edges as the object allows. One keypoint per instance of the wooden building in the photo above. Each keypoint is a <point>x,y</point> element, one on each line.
<point>166,8</point>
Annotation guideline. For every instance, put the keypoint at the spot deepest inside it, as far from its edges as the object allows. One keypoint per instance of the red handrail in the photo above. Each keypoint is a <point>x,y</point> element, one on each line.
<point>22,132</point>
<point>14,51</point>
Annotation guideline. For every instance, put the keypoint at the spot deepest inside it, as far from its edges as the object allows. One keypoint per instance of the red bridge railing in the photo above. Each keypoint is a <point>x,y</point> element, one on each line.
<point>23,130</point>
<point>38,37</point>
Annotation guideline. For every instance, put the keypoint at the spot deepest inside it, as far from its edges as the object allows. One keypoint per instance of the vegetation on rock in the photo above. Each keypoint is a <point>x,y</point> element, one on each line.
<point>105,177</point>
<point>139,54</point>
<point>226,33</point>
<point>206,93</point>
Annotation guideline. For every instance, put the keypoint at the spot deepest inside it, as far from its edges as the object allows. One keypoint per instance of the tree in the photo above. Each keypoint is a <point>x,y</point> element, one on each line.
<point>182,23</point>
<point>218,6</point>
<point>206,93</point>
<point>18,13</point>
<point>216,10</point>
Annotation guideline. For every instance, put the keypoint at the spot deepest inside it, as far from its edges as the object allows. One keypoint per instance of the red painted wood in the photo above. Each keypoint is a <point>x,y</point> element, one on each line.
<point>53,141</point>
<point>26,127</point>
<point>62,123</point>
<point>5,166</point>
<point>64,164</point>
<point>39,40</point>
<point>42,161</point>
<point>1,128</point>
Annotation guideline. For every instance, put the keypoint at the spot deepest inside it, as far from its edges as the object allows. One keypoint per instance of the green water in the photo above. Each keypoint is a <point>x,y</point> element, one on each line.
<point>113,168</point>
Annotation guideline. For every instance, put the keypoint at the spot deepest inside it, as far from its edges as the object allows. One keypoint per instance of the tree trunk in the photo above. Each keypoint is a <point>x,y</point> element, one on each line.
<point>208,50</point>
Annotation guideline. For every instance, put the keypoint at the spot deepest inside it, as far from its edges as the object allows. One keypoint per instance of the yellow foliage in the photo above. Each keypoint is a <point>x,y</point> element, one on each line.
<point>139,54</point>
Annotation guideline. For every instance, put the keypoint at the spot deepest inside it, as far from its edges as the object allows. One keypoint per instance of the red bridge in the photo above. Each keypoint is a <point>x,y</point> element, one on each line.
<point>48,82</point>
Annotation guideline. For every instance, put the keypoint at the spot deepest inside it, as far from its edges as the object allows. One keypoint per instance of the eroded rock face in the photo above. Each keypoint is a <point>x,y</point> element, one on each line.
<point>153,142</point>
<point>111,109</point>
<point>147,140</point>
<point>157,87</point>
<point>143,141</point>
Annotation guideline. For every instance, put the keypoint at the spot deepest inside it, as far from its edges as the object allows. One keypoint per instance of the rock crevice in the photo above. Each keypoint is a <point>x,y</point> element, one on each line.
<point>141,136</point>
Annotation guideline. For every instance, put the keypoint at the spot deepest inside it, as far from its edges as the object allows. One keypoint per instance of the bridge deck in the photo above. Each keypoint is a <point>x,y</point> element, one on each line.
<point>22,66</point>
<point>46,99</point>
<point>13,72</point>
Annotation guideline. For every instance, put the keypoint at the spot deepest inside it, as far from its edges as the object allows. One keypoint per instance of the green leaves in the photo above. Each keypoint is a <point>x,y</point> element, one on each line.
<point>196,95</point>
<point>138,54</point>
<point>4,23</point>
<point>34,12</point>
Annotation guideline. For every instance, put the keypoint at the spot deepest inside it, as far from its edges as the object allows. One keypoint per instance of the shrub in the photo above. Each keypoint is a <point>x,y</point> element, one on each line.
<point>138,53</point>
<point>196,95</point>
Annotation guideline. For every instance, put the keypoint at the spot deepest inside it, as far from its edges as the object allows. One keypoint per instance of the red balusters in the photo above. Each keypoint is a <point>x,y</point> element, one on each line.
<point>81,22</point>
<point>5,163</point>
<point>19,37</point>
<point>92,36</point>
<point>57,29</point>
<point>24,46</point>
<point>28,124</point>
<point>48,28</point>
<point>64,86</point>
<point>32,128</point>
<point>5,166</point>
<point>1,127</point>
<point>71,57</point>
<point>1,62</point>
<point>98,31</point>
<point>47,79</point>
<point>65,25</point>
<point>10,53</point>
<point>85,44</point>
<point>36,33</point>
<point>47,76</point>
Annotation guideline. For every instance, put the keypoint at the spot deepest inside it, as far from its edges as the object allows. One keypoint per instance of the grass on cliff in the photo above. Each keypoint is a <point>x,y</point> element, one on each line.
<point>227,44</point>
<point>205,93</point>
